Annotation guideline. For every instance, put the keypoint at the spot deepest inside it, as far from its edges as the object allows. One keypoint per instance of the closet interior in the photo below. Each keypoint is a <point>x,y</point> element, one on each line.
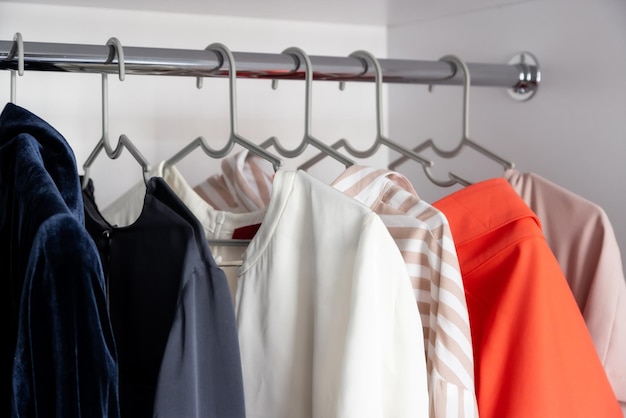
<point>215,215</point>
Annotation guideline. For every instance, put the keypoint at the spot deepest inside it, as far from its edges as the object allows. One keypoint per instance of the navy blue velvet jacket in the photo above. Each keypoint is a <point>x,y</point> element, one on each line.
<point>58,357</point>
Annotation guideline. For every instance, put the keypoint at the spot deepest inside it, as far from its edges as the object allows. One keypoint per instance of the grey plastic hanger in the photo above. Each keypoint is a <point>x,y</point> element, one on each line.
<point>16,49</point>
<point>123,141</point>
<point>367,58</point>
<point>234,138</point>
<point>308,139</point>
<point>465,139</point>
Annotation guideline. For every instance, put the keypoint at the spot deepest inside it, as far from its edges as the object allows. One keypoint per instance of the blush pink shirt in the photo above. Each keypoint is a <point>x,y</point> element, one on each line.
<point>581,237</point>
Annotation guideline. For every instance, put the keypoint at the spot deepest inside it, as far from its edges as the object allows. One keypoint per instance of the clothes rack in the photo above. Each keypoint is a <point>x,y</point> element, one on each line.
<point>521,75</point>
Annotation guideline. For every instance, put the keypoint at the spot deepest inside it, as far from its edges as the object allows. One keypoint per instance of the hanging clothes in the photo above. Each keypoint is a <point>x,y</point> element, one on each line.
<point>326,318</point>
<point>59,353</point>
<point>244,185</point>
<point>171,311</point>
<point>581,237</point>
<point>533,354</point>
<point>423,236</point>
<point>426,245</point>
<point>217,224</point>
<point>310,347</point>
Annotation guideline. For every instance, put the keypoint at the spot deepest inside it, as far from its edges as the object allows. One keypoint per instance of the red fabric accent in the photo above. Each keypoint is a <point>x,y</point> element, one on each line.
<point>533,354</point>
<point>246,232</point>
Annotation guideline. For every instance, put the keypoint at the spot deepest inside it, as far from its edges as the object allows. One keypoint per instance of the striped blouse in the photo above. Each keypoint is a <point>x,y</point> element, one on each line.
<point>423,235</point>
<point>425,241</point>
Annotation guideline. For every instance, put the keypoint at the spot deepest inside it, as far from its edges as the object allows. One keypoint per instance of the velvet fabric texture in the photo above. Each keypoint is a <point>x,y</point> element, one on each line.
<point>59,357</point>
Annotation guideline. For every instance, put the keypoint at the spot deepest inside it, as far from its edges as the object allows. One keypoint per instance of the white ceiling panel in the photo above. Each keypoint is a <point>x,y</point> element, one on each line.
<point>370,12</point>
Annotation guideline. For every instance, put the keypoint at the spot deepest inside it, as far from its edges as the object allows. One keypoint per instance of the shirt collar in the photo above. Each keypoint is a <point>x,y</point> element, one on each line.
<point>481,208</point>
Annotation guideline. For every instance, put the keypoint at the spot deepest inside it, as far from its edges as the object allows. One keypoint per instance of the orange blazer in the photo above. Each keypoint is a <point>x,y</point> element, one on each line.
<point>534,357</point>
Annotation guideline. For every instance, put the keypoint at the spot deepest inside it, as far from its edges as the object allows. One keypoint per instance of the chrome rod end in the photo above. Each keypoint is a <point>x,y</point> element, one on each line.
<point>529,76</point>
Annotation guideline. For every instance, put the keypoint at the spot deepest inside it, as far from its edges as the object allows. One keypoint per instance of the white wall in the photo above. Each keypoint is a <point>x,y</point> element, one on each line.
<point>162,114</point>
<point>572,132</point>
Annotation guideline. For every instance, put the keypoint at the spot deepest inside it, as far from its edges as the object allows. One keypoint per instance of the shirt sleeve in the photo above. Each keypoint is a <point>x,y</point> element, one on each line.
<point>200,375</point>
<point>582,238</point>
<point>65,361</point>
<point>384,369</point>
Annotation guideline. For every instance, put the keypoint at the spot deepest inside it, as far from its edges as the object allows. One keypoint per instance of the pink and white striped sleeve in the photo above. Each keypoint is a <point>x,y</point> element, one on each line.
<point>425,240</point>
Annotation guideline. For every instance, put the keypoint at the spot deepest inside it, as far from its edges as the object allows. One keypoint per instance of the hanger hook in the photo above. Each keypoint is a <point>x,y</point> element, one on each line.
<point>460,64</point>
<point>220,57</point>
<point>224,54</point>
<point>16,48</point>
<point>303,59</point>
<point>362,58</point>
<point>227,56</point>
<point>117,49</point>
<point>124,141</point>
<point>453,179</point>
<point>368,58</point>
<point>465,140</point>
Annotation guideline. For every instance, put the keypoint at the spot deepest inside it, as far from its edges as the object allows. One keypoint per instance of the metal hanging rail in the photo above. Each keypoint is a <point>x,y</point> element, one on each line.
<point>521,75</point>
